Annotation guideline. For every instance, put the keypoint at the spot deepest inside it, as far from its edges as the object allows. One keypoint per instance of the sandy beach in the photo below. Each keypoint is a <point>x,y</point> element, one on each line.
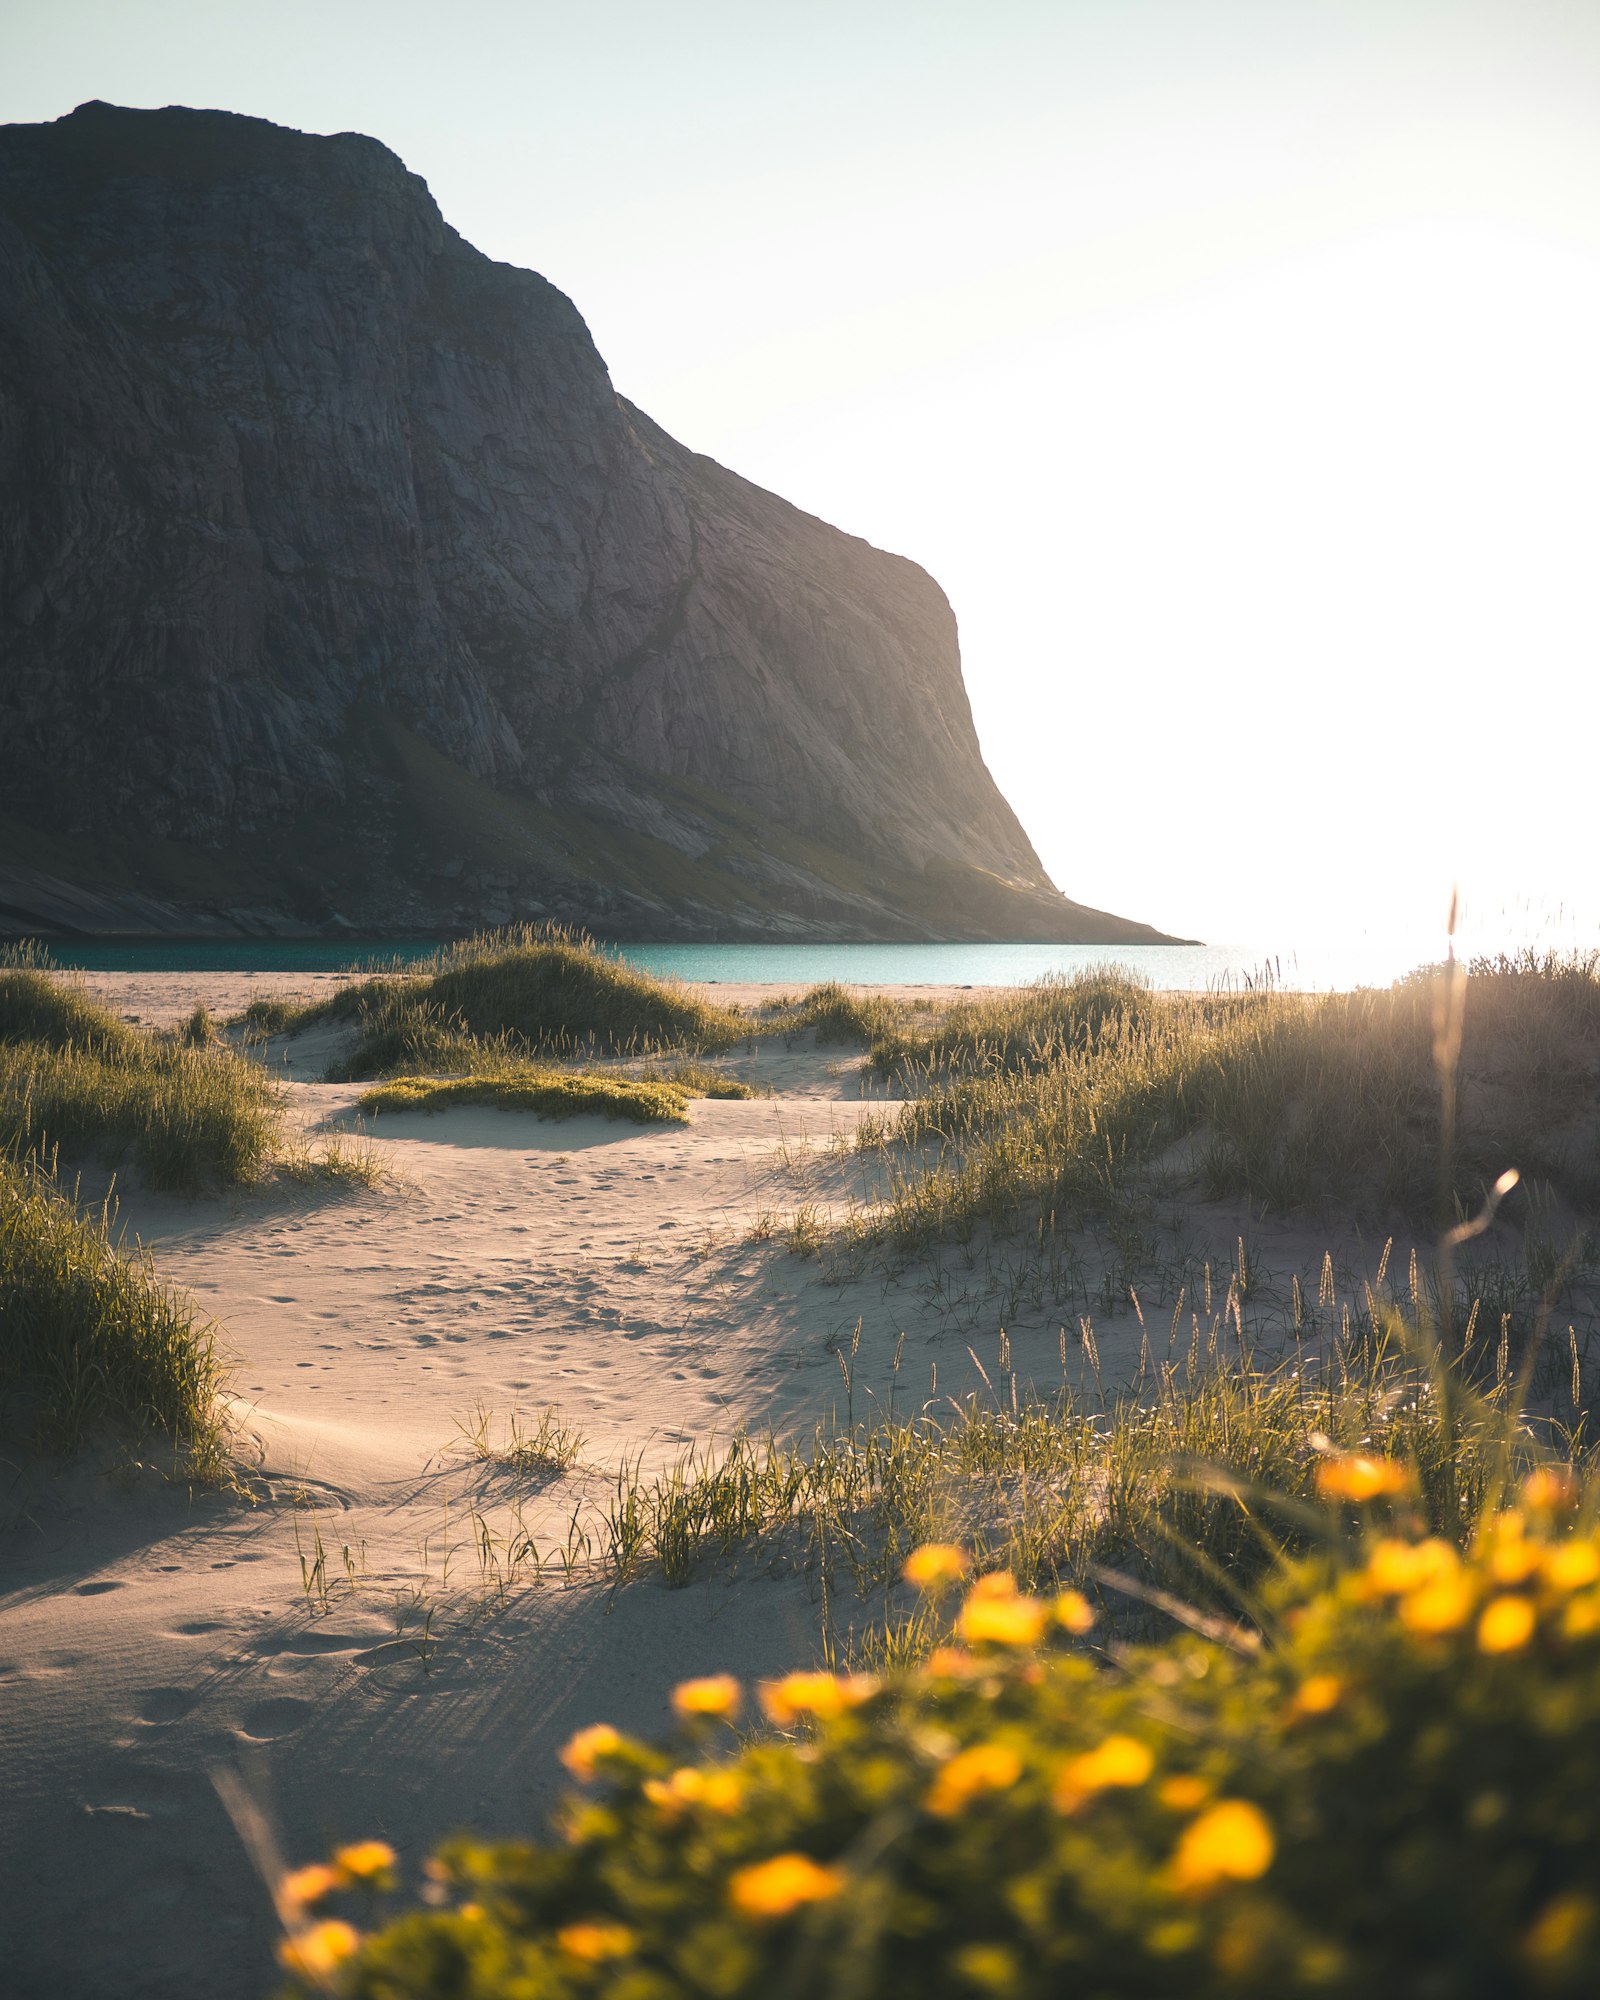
<point>629,1275</point>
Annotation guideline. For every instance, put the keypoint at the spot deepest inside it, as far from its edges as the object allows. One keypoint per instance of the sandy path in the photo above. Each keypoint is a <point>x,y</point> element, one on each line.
<point>617,1271</point>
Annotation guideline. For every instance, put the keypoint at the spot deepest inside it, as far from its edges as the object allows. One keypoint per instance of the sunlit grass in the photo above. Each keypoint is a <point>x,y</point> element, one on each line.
<point>502,996</point>
<point>93,1341</point>
<point>1056,1108</point>
<point>549,1093</point>
<point>184,1110</point>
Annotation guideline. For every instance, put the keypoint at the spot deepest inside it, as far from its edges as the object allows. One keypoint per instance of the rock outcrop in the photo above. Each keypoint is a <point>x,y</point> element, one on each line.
<point>339,587</point>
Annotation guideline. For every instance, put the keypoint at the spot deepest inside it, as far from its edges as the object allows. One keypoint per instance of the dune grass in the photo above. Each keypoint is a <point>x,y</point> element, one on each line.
<point>184,1110</point>
<point>502,996</point>
<point>1055,1106</point>
<point>90,1339</point>
<point>550,1093</point>
<point>841,1014</point>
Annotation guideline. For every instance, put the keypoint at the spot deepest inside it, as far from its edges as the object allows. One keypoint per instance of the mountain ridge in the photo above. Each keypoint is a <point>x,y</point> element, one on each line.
<point>340,589</point>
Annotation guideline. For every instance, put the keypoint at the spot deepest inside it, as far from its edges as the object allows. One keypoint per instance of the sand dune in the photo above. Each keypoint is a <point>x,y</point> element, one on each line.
<point>148,1640</point>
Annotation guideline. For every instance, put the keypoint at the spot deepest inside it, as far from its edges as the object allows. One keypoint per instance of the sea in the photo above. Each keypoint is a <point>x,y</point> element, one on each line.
<point>1177,968</point>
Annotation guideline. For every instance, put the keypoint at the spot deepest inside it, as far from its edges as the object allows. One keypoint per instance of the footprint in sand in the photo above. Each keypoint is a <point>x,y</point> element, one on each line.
<point>162,1704</point>
<point>97,1589</point>
<point>305,1644</point>
<point>280,1716</point>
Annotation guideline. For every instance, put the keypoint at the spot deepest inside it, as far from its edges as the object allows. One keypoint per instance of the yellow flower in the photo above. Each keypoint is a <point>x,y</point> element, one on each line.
<point>1561,1929</point>
<point>1506,1625</point>
<point>715,1695</point>
<point>588,1750</point>
<point>1571,1565</point>
<point>777,1887</point>
<point>1184,1793</point>
<point>997,1614</point>
<point>1231,1841</point>
<point>1120,1762</point>
<point>719,1791</point>
<point>821,1695</point>
<point>1581,1620</point>
<point>1395,1567</point>
<point>936,1565</point>
<point>595,1942</point>
<point>986,1767</point>
<point>951,1664</point>
<point>1552,1489</point>
<point>1437,1608</point>
<point>1360,1479</point>
<point>312,1883</point>
<point>364,1860</point>
<point>313,1954</point>
<point>1317,1694</point>
<point>1072,1611</point>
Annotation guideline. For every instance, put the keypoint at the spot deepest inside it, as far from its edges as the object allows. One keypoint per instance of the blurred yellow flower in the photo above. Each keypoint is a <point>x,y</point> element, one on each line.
<point>821,1695</point>
<point>951,1663</point>
<point>1442,1606</point>
<point>1318,1694</point>
<point>1513,1559</point>
<point>1184,1793</point>
<point>777,1887</point>
<point>1072,1611</point>
<point>1360,1479</point>
<point>584,1753</point>
<point>313,1954</point>
<point>1506,1625</point>
<point>1394,1567</point>
<point>985,1767</point>
<point>364,1860</point>
<point>1552,1489</point>
<point>1581,1619</point>
<point>713,1695</point>
<point>935,1565</point>
<point>1562,1928</point>
<point>997,1614</point>
<point>595,1942</point>
<point>1120,1762</point>
<point>1231,1841</point>
<point>719,1791</point>
<point>994,1583</point>
<point>1572,1565</point>
<point>312,1883</point>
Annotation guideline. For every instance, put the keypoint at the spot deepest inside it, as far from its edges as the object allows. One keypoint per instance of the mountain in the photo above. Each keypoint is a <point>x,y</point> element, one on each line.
<point>340,589</point>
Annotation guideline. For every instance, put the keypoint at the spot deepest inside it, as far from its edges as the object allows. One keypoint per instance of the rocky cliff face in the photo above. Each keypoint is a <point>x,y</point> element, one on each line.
<point>337,584</point>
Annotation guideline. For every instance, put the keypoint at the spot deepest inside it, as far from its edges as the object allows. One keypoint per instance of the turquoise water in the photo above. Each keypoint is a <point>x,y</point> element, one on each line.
<point>1194,968</point>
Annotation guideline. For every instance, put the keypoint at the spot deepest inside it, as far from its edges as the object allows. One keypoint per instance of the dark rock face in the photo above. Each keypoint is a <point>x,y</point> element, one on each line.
<point>337,584</point>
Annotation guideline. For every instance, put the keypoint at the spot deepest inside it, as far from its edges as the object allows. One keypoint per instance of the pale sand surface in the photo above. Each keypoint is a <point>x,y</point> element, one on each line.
<point>618,1271</point>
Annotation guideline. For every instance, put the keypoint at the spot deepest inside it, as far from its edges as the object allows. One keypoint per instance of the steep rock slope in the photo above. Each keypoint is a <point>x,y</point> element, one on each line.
<point>337,584</point>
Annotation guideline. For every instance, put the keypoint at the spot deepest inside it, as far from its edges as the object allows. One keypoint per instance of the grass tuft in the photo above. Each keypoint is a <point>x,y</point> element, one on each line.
<point>89,1338</point>
<point>550,1093</point>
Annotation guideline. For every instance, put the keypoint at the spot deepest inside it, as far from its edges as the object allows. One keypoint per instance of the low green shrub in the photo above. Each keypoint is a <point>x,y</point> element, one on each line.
<point>1395,1791</point>
<point>550,1093</point>
<point>89,1338</point>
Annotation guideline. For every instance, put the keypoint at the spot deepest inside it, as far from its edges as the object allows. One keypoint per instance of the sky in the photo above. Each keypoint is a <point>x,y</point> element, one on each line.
<point>1234,365</point>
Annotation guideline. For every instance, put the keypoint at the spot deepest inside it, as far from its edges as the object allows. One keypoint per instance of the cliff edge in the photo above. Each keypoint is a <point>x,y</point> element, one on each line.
<point>339,588</point>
